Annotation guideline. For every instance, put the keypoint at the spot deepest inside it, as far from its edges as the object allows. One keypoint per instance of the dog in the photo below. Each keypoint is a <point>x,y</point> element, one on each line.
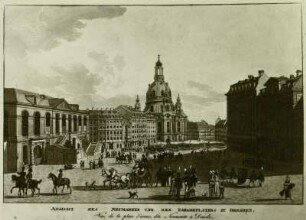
<point>90,186</point>
<point>133,195</point>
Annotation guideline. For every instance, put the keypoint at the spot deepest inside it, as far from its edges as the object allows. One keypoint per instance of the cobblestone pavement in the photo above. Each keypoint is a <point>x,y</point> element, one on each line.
<point>267,194</point>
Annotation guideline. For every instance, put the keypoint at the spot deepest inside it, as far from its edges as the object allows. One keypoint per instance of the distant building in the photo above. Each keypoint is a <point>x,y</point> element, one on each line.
<point>107,131</point>
<point>140,127</point>
<point>241,112</point>
<point>40,129</point>
<point>221,130</point>
<point>192,130</point>
<point>171,119</point>
<point>206,131</point>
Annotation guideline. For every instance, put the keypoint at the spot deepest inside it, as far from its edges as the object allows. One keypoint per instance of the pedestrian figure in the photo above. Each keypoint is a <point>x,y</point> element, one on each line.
<point>93,165</point>
<point>288,186</point>
<point>29,177</point>
<point>252,178</point>
<point>22,175</point>
<point>261,177</point>
<point>221,188</point>
<point>178,184</point>
<point>90,164</point>
<point>60,176</point>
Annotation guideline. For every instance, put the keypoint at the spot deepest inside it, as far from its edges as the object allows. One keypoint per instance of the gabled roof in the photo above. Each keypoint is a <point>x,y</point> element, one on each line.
<point>23,97</point>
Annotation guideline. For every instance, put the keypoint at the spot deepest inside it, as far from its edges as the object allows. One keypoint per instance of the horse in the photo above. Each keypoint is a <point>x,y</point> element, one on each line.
<point>64,182</point>
<point>123,180</point>
<point>20,184</point>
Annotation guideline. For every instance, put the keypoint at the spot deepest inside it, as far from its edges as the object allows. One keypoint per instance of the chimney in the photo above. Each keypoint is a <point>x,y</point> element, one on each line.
<point>250,76</point>
<point>260,72</point>
<point>298,72</point>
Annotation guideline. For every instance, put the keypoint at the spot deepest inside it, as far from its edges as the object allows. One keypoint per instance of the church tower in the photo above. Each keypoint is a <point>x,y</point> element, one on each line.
<point>171,119</point>
<point>137,104</point>
<point>159,75</point>
<point>178,104</point>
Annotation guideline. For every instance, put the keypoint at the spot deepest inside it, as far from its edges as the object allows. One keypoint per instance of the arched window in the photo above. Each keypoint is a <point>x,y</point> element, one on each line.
<point>85,121</point>
<point>64,123</point>
<point>162,93</point>
<point>25,123</point>
<point>159,127</point>
<point>153,93</point>
<point>48,119</point>
<point>57,123</point>
<point>75,123</point>
<point>36,123</point>
<point>69,123</point>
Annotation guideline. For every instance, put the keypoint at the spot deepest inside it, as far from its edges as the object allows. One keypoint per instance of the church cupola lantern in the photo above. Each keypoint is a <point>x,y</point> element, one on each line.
<point>159,76</point>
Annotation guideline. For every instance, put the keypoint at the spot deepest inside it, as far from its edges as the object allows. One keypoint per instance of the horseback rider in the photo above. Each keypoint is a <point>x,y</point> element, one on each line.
<point>60,176</point>
<point>22,176</point>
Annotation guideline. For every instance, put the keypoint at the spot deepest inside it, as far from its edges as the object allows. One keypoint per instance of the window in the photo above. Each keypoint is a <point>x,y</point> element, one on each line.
<point>178,126</point>
<point>80,121</point>
<point>298,97</point>
<point>36,123</point>
<point>63,120</point>
<point>69,123</point>
<point>85,121</point>
<point>168,127</point>
<point>75,123</point>
<point>25,154</point>
<point>48,119</point>
<point>25,123</point>
<point>159,127</point>
<point>57,126</point>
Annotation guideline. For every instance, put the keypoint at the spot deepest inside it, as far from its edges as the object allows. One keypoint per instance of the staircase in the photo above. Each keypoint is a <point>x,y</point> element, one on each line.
<point>91,149</point>
<point>61,140</point>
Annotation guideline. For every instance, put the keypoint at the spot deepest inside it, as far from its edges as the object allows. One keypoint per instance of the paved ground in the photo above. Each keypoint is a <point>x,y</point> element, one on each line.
<point>268,194</point>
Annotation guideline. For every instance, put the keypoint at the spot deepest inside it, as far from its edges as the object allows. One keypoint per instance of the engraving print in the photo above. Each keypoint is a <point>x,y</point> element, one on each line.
<point>189,104</point>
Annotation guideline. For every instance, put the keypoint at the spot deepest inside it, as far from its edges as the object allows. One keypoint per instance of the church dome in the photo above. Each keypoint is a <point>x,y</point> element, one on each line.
<point>159,92</point>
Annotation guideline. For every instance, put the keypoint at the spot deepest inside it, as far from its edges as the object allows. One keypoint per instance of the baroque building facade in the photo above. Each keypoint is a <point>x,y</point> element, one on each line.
<point>40,129</point>
<point>106,132</point>
<point>140,127</point>
<point>265,116</point>
<point>171,119</point>
<point>241,112</point>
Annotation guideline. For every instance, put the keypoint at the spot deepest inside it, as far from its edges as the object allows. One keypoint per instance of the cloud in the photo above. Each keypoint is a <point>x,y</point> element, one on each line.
<point>35,28</point>
<point>208,97</point>
<point>100,101</point>
<point>77,79</point>
<point>200,86</point>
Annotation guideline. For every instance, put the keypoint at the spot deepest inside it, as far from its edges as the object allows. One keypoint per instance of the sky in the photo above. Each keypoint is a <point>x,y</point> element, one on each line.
<point>103,56</point>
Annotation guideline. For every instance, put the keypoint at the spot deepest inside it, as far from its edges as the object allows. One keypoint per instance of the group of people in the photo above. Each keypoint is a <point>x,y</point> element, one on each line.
<point>124,158</point>
<point>92,164</point>
<point>187,179</point>
<point>215,185</point>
